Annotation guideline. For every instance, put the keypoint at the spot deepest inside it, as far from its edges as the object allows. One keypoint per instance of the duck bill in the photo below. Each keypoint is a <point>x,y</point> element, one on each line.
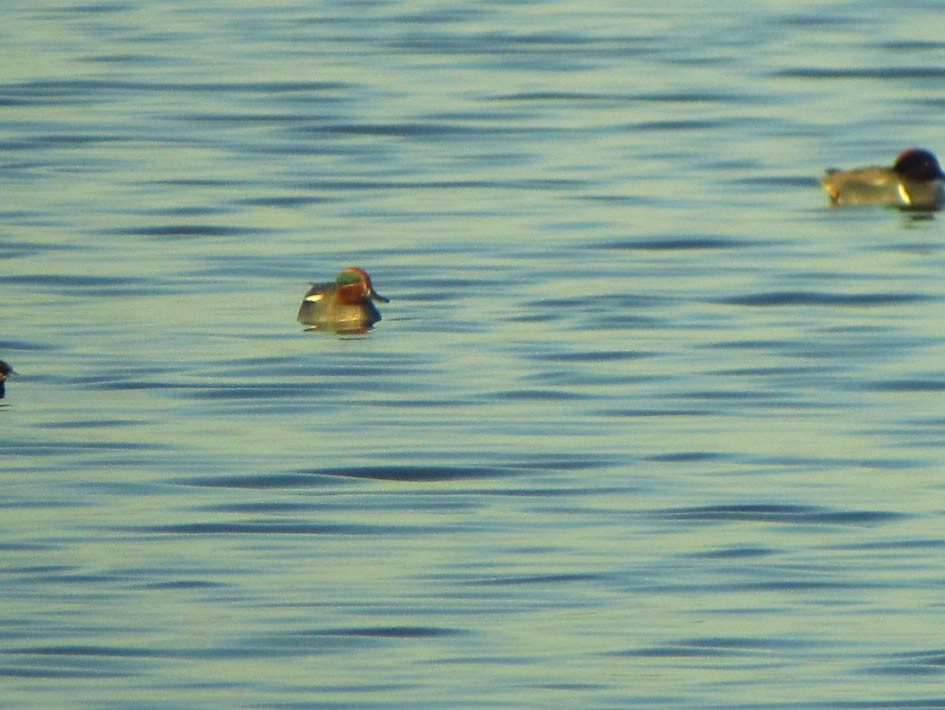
<point>378,297</point>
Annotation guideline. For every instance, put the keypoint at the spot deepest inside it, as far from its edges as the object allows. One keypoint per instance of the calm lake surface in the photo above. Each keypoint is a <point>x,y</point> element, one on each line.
<point>646,424</point>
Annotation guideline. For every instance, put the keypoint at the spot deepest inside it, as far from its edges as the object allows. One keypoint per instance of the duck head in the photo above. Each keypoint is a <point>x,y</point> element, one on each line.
<point>353,285</point>
<point>918,164</point>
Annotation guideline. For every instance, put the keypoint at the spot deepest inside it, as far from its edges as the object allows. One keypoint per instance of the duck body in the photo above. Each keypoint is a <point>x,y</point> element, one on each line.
<point>5,372</point>
<point>914,181</point>
<point>345,305</point>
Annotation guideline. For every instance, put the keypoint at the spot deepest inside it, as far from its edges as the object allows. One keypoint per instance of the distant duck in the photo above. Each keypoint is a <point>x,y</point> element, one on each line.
<point>915,181</point>
<point>342,306</point>
<point>5,372</point>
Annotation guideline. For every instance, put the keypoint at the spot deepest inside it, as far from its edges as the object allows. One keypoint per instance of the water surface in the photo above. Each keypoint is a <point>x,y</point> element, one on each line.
<point>646,424</point>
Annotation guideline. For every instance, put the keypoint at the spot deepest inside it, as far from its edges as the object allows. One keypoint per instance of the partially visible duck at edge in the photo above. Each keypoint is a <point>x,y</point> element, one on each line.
<point>915,181</point>
<point>343,306</point>
<point>5,372</point>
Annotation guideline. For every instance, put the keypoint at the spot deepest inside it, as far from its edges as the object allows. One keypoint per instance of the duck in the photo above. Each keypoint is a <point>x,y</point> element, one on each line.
<point>344,305</point>
<point>915,181</point>
<point>5,372</point>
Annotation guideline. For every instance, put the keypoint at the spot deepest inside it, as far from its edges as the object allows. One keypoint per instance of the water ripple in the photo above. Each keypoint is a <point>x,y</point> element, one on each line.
<point>919,384</point>
<point>416,474</point>
<point>821,298</point>
<point>284,528</point>
<point>892,73</point>
<point>689,243</point>
<point>911,664</point>
<point>789,514</point>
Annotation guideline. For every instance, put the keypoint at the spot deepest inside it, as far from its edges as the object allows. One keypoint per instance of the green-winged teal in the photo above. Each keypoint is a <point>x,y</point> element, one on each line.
<point>5,372</point>
<point>913,182</point>
<point>344,305</point>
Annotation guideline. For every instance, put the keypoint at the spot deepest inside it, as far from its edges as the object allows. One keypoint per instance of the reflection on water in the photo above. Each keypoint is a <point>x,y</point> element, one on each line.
<point>646,424</point>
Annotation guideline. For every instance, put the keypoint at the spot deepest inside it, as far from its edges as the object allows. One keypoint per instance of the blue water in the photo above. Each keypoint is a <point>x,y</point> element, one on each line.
<point>645,424</point>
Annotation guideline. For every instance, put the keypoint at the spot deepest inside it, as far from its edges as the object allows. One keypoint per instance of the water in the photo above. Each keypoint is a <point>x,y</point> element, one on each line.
<point>645,424</point>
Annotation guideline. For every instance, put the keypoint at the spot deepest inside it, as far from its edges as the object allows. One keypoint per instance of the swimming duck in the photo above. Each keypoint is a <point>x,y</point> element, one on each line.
<point>5,372</point>
<point>344,305</point>
<point>914,181</point>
